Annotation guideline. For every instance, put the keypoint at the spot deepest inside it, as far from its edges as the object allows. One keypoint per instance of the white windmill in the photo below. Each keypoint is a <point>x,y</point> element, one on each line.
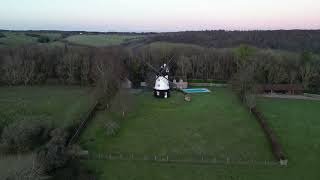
<point>162,83</point>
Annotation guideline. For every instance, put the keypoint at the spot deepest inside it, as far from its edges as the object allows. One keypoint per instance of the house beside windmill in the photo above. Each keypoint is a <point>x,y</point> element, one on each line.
<point>126,84</point>
<point>280,89</point>
<point>180,84</point>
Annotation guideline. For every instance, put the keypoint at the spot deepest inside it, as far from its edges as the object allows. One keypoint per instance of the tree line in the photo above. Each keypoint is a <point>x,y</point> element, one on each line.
<point>62,65</point>
<point>268,66</point>
<point>86,66</point>
<point>292,40</point>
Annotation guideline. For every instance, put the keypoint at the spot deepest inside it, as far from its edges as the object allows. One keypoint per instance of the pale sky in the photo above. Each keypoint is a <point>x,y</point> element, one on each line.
<point>160,15</point>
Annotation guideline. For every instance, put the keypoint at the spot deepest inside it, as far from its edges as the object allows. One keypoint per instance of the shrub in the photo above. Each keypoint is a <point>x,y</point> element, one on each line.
<point>112,127</point>
<point>74,170</point>
<point>250,100</point>
<point>275,145</point>
<point>122,102</point>
<point>32,35</point>
<point>25,174</point>
<point>54,154</point>
<point>43,39</point>
<point>24,135</point>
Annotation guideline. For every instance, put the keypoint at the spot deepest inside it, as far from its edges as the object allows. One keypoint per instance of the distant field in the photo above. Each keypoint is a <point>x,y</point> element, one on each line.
<point>57,104</point>
<point>16,39</point>
<point>169,45</point>
<point>25,38</point>
<point>100,40</point>
<point>56,44</point>
<point>51,36</point>
<point>213,124</point>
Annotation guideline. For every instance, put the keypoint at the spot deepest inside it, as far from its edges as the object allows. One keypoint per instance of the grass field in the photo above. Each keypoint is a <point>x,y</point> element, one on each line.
<point>16,39</point>
<point>57,104</point>
<point>99,40</point>
<point>297,124</point>
<point>170,46</point>
<point>21,38</point>
<point>52,36</point>
<point>213,124</point>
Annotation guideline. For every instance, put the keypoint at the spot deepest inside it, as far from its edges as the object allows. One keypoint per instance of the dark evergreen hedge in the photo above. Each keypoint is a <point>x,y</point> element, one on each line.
<point>275,144</point>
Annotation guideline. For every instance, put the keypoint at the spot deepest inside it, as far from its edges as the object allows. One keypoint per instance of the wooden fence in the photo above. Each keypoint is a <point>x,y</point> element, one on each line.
<point>83,123</point>
<point>183,159</point>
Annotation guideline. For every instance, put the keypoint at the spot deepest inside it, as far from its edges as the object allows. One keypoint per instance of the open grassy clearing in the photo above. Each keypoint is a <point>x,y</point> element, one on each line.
<point>16,39</point>
<point>170,46</point>
<point>25,38</point>
<point>56,44</point>
<point>57,104</point>
<point>100,39</point>
<point>213,124</point>
<point>297,124</point>
<point>51,36</point>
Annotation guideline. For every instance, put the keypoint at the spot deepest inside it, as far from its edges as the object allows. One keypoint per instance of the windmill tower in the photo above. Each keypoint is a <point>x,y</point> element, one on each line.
<point>161,87</point>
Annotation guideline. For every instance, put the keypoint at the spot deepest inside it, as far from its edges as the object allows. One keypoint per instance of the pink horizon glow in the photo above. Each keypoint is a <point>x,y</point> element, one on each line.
<point>164,15</point>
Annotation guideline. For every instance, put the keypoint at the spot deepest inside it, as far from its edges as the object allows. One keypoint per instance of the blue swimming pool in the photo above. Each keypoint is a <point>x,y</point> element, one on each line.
<point>196,90</point>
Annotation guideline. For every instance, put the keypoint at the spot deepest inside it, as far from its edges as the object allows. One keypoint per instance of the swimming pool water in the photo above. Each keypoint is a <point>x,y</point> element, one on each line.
<point>196,90</point>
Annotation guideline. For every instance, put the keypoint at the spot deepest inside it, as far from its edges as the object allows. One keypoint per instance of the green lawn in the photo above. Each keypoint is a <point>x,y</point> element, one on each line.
<point>58,104</point>
<point>214,124</point>
<point>297,124</point>
<point>99,40</point>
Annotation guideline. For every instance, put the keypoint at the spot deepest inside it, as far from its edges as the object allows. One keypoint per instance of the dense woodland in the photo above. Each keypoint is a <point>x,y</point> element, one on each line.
<point>84,66</point>
<point>292,40</point>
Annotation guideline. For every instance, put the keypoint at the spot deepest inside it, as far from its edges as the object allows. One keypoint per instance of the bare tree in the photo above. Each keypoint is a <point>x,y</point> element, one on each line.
<point>12,70</point>
<point>244,83</point>
<point>85,71</point>
<point>122,102</point>
<point>183,65</point>
<point>107,74</point>
<point>307,71</point>
<point>28,71</point>
<point>112,127</point>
